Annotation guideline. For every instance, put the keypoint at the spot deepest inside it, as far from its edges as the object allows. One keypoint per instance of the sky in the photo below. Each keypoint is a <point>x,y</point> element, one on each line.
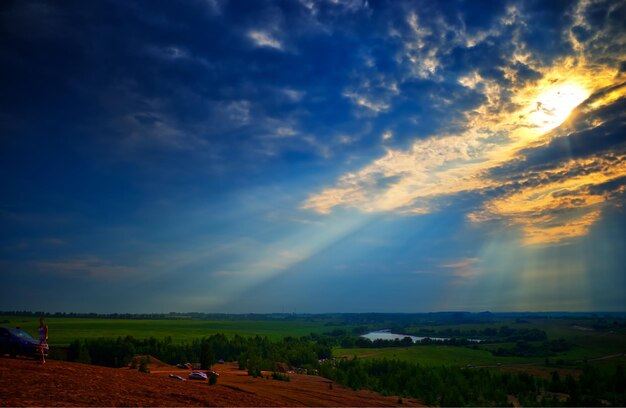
<point>312,156</point>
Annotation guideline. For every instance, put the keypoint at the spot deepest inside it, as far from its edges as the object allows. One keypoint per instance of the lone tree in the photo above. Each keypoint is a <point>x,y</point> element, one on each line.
<point>207,356</point>
<point>212,379</point>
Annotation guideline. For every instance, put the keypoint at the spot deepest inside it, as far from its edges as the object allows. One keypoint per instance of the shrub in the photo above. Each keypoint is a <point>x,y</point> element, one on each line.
<point>143,368</point>
<point>212,379</point>
<point>280,376</point>
<point>255,372</point>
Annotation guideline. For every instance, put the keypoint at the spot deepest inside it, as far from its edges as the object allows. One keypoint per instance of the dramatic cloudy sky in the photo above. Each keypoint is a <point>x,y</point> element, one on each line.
<point>312,156</point>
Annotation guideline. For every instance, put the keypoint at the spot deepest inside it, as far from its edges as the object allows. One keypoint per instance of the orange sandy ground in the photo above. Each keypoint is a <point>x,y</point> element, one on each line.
<point>24,382</point>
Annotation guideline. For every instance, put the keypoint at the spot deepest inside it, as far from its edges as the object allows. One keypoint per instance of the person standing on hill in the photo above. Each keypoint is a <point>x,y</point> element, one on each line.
<point>43,338</point>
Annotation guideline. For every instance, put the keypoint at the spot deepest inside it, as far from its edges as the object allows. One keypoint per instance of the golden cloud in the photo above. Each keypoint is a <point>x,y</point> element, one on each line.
<point>414,181</point>
<point>558,204</point>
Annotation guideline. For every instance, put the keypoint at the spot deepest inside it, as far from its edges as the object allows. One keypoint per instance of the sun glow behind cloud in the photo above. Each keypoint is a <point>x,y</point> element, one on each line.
<point>556,104</point>
<point>433,170</point>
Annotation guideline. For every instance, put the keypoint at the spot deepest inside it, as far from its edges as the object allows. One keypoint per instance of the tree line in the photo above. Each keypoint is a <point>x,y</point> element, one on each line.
<point>527,342</point>
<point>251,352</point>
<point>486,335</point>
<point>455,386</point>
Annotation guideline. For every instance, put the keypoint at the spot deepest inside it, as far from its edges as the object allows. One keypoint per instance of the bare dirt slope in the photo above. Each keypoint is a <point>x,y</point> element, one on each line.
<point>26,383</point>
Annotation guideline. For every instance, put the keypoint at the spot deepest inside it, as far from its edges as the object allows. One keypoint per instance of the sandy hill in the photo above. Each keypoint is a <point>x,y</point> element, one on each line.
<point>26,383</point>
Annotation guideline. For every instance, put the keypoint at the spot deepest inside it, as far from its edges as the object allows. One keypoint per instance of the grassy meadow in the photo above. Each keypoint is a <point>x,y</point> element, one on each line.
<point>588,344</point>
<point>433,355</point>
<point>65,330</point>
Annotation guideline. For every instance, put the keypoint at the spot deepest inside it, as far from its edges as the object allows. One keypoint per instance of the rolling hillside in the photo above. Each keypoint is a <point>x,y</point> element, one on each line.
<point>24,382</point>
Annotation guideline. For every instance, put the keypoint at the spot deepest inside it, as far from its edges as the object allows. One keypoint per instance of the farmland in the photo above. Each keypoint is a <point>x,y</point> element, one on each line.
<point>433,355</point>
<point>64,330</point>
<point>604,348</point>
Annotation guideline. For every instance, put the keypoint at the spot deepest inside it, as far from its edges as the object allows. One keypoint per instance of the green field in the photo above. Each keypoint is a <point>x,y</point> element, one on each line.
<point>434,355</point>
<point>603,348</point>
<point>62,331</point>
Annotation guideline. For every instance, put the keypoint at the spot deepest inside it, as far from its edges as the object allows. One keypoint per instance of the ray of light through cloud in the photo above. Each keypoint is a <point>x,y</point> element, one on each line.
<point>384,156</point>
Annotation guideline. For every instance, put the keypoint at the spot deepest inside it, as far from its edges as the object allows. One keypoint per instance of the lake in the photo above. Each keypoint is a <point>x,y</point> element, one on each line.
<point>388,335</point>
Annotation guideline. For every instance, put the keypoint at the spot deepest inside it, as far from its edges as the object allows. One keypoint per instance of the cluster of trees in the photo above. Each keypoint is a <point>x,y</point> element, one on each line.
<point>528,342</point>
<point>486,335</point>
<point>361,342</point>
<point>251,352</point>
<point>455,337</point>
<point>606,324</point>
<point>454,386</point>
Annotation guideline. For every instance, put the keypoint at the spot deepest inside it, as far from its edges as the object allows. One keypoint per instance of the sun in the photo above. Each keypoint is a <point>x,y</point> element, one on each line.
<point>555,104</point>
